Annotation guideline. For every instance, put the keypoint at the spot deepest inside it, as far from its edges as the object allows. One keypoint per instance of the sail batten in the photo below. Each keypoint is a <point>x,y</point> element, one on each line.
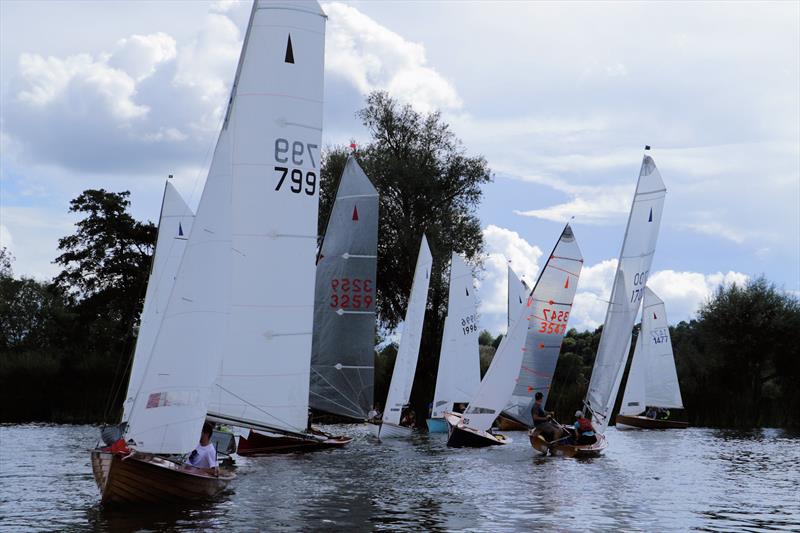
<point>407,354</point>
<point>633,269</point>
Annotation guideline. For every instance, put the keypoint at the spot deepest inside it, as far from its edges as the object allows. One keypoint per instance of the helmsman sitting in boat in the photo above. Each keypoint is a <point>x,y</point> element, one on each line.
<point>584,431</point>
<point>543,420</point>
<point>204,456</point>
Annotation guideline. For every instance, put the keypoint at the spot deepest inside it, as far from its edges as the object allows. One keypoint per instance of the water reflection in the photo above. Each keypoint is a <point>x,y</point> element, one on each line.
<point>712,480</point>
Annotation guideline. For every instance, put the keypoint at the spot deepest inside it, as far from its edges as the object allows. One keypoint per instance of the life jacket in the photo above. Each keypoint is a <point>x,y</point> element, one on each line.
<point>585,425</point>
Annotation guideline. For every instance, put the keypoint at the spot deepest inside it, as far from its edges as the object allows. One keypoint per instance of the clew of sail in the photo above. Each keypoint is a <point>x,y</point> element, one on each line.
<point>174,226</point>
<point>633,269</point>
<point>406,362</point>
<point>653,379</point>
<point>275,123</point>
<point>459,363</point>
<point>553,295</point>
<point>343,346</point>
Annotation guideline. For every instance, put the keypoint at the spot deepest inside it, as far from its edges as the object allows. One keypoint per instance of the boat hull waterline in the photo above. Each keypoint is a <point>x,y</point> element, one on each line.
<point>461,436</point>
<point>139,478</point>
<point>567,450</point>
<point>260,444</point>
<point>643,422</point>
<point>509,424</point>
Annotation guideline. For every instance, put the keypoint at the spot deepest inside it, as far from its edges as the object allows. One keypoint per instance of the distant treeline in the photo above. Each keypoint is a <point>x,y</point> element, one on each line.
<point>66,344</point>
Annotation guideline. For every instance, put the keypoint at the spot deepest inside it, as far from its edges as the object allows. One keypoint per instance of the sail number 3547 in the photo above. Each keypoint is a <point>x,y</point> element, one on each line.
<point>554,322</point>
<point>296,153</point>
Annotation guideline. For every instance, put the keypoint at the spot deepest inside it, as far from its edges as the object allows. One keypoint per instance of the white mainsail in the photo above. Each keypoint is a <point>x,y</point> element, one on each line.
<point>517,294</point>
<point>405,364</point>
<point>174,226</point>
<point>343,347</point>
<point>653,379</point>
<point>553,295</point>
<point>459,364</point>
<point>172,403</point>
<point>633,269</point>
<point>275,119</point>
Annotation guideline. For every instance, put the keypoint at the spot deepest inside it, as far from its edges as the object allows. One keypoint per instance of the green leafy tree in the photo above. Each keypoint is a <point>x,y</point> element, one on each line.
<point>427,184</point>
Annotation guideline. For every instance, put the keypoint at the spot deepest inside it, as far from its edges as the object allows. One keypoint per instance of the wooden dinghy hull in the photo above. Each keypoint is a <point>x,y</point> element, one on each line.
<point>387,430</point>
<point>642,422</point>
<point>568,450</point>
<point>509,424</point>
<point>461,436</point>
<point>139,478</point>
<point>260,444</point>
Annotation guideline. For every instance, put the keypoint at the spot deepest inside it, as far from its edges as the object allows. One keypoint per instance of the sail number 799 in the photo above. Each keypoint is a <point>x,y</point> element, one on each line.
<point>297,153</point>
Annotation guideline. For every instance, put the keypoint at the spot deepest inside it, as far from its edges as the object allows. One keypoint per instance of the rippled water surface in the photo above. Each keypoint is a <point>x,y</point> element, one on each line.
<point>702,479</point>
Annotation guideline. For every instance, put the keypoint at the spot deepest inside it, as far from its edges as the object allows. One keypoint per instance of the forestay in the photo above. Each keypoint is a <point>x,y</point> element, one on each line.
<point>517,294</point>
<point>343,347</point>
<point>459,363</point>
<point>275,120</point>
<point>174,226</point>
<point>653,379</point>
<point>406,362</point>
<point>633,270</point>
<point>552,303</point>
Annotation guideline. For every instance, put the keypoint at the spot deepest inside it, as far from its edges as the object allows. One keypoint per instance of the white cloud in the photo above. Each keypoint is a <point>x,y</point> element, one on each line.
<point>139,55</point>
<point>6,241</point>
<point>31,225</point>
<point>503,245</point>
<point>373,57</point>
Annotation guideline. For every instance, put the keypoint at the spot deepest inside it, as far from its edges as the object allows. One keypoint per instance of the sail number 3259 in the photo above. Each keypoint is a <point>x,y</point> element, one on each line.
<point>297,153</point>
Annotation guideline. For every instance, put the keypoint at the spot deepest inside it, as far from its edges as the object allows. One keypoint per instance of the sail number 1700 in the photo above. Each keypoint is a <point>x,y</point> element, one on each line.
<point>300,181</point>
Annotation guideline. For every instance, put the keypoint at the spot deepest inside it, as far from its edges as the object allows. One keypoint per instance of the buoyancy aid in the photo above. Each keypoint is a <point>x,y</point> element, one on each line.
<point>585,425</point>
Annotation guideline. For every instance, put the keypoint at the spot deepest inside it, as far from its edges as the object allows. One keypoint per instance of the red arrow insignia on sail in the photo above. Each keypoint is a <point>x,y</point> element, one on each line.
<point>355,213</point>
<point>530,389</point>
<point>566,283</point>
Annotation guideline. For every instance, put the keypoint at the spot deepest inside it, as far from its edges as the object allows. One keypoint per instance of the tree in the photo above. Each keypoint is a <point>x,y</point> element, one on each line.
<point>427,184</point>
<point>752,337</point>
<point>106,264</point>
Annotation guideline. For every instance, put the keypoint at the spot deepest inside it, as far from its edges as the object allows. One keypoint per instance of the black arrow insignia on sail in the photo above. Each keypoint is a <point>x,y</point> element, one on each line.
<point>651,215</point>
<point>289,52</point>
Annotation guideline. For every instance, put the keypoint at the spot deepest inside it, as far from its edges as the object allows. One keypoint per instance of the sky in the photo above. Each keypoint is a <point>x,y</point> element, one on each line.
<point>559,97</point>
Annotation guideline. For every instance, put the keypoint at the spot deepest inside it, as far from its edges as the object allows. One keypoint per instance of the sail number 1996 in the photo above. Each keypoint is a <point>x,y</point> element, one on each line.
<point>296,153</point>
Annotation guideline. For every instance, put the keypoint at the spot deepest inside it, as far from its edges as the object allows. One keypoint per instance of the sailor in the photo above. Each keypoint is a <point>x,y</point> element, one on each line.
<point>204,456</point>
<point>584,431</point>
<point>374,413</point>
<point>543,420</point>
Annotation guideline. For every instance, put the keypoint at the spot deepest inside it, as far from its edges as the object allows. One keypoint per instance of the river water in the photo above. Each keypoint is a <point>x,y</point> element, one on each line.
<point>695,479</point>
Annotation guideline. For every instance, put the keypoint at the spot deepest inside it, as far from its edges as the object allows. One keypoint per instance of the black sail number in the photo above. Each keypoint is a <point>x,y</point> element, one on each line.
<point>298,153</point>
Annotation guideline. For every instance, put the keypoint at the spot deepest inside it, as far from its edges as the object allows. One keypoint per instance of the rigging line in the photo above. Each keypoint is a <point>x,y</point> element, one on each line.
<point>317,372</point>
<point>329,400</point>
<point>554,267</point>
<point>257,408</point>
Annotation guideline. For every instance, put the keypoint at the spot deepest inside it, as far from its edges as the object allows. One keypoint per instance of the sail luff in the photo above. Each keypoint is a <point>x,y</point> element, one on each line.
<point>406,362</point>
<point>633,268</point>
<point>342,360</point>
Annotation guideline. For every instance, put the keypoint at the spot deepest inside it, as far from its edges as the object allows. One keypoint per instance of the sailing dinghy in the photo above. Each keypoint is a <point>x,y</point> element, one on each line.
<point>459,371</point>
<point>405,365</point>
<point>546,311</point>
<point>343,346</point>
<point>234,343</point>
<point>653,379</point>
<point>633,268</point>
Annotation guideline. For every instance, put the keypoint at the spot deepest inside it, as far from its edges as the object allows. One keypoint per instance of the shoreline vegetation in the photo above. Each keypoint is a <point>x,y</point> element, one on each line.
<point>66,344</point>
